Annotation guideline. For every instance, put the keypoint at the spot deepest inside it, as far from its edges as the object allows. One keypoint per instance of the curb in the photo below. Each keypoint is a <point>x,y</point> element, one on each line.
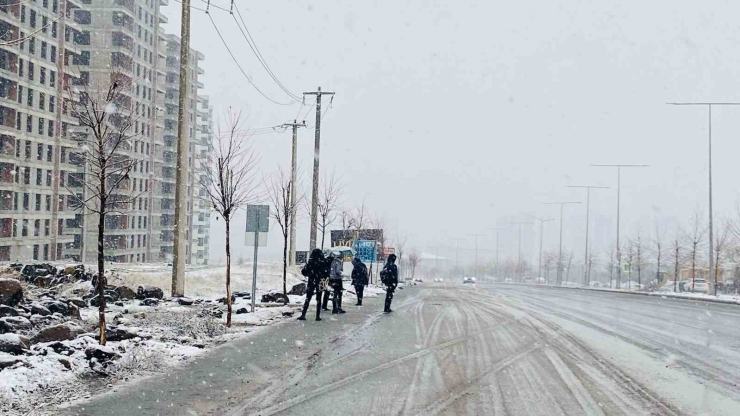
<point>653,294</point>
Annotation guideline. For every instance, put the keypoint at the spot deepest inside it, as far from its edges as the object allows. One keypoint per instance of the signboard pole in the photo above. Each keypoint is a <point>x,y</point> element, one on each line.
<point>254,265</point>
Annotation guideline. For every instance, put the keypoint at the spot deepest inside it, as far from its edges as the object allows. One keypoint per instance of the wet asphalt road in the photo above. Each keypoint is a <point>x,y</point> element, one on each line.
<point>466,350</point>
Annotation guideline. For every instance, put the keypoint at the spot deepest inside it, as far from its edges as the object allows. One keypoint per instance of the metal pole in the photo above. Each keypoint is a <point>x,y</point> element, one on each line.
<point>315,186</point>
<point>519,255</point>
<point>183,145</point>
<point>619,247</point>
<point>560,251</point>
<point>254,266</point>
<point>711,223</point>
<point>539,267</point>
<point>293,179</point>
<point>585,255</point>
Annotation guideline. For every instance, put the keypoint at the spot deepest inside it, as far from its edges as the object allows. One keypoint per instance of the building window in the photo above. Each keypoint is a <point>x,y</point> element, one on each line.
<point>24,229</point>
<point>49,152</point>
<point>23,15</point>
<point>28,149</point>
<point>29,126</point>
<point>44,24</point>
<point>39,151</point>
<point>35,251</point>
<point>15,201</point>
<point>29,100</point>
<point>42,75</point>
<point>49,175</point>
<point>52,79</point>
<point>43,50</point>
<point>32,20</point>
<point>26,197</point>
<point>54,30</point>
<point>46,252</point>
<point>50,129</point>
<point>38,202</point>
<point>47,227</point>
<point>38,177</point>
<point>36,227</point>
<point>52,103</point>
<point>15,228</point>
<point>41,125</point>
<point>48,202</point>
<point>53,53</point>
<point>42,101</point>
<point>27,175</point>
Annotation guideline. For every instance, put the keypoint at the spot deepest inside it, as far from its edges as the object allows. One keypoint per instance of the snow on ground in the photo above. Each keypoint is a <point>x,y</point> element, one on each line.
<point>210,280</point>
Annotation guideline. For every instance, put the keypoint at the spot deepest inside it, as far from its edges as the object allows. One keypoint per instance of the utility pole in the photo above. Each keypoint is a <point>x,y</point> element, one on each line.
<point>315,187</point>
<point>709,105</point>
<point>519,255</point>
<point>497,229</point>
<point>560,250</point>
<point>293,178</point>
<point>619,186</point>
<point>542,229</point>
<point>475,271</point>
<point>586,273</point>
<point>457,254</point>
<point>183,146</point>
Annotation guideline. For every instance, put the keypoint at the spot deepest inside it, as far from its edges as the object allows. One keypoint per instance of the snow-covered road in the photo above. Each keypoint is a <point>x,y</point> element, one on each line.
<point>454,349</point>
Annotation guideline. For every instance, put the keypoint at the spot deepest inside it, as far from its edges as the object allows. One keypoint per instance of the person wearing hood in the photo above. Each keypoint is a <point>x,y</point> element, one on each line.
<point>315,270</point>
<point>335,281</point>
<point>389,277</point>
<point>359,278</point>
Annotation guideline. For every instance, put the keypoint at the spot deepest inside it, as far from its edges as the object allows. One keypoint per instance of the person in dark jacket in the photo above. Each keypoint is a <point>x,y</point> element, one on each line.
<point>315,270</point>
<point>359,278</point>
<point>327,294</point>
<point>389,277</point>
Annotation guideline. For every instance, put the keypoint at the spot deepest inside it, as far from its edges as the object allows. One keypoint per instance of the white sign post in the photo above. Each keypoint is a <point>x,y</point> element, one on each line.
<point>257,222</point>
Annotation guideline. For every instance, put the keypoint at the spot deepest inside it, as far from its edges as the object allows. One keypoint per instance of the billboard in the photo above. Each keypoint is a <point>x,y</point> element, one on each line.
<point>348,238</point>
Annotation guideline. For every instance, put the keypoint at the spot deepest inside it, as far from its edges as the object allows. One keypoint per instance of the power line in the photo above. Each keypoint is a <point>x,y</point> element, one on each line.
<point>14,42</point>
<point>239,66</point>
<point>253,46</point>
<point>194,7</point>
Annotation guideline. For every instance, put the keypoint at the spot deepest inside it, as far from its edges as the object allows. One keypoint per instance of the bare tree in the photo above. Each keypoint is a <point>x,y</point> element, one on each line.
<point>414,258</point>
<point>658,251</point>
<point>280,189</point>
<point>630,262</point>
<point>106,116</point>
<point>610,266</point>
<point>550,259</point>
<point>697,240</point>
<point>345,215</point>
<point>400,249</point>
<point>361,217</point>
<point>230,184</point>
<point>568,255</point>
<point>590,260</point>
<point>329,194</point>
<point>677,244</point>
<point>639,257</point>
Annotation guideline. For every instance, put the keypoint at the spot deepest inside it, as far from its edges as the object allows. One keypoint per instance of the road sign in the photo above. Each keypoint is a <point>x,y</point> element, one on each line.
<point>258,223</point>
<point>258,218</point>
<point>366,250</point>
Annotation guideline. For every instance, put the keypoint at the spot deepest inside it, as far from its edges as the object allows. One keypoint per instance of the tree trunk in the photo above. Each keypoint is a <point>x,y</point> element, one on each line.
<point>675,273</point>
<point>323,233</point>
<point>657,271</point>
<point>101,270</point>
<point>285,267</point>
<point>228,271</point>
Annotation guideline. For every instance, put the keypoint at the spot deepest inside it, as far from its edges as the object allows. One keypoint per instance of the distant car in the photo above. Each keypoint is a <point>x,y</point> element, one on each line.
<point>508,280</point>
<point>697,285</point>
<point>418,280</point>
<point>439,279</point>
<point>540,281</point>
<point>468,280</point>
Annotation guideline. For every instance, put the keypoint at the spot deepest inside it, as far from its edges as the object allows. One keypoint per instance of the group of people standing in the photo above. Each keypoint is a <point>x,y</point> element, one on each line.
<point>325,277</point>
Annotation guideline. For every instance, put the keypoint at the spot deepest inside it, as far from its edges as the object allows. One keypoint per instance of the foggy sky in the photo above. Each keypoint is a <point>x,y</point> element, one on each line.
<point>455,116</point>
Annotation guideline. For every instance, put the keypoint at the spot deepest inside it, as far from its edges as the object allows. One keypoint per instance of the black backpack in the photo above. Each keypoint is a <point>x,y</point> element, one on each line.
<point>384,275</point>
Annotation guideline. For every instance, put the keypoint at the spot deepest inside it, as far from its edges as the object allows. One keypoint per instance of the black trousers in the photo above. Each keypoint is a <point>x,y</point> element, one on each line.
<point>389,297</point>
<point>326,299</point>
<point>338,287</point>
<point>359,289</point>
<point>310,290</point>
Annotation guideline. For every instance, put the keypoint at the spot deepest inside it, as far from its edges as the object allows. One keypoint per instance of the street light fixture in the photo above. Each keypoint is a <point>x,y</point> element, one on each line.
<point>586,271</point>
<point>709,105</point>
<point>619,180</point>
<point>560,253</point>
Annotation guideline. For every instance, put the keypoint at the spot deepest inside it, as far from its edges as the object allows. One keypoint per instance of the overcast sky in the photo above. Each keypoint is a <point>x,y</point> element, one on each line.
<point>454,116</point>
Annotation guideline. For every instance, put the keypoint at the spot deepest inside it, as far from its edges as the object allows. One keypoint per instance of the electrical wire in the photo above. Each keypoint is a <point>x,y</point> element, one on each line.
<point>194,7</point>
<point>240,67</point>
<point>14,42</point>
<point>214,6</point>
<point>253,46</point>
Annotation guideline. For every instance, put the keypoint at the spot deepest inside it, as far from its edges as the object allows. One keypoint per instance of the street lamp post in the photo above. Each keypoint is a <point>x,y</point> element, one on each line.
<point>709,105</point>
<point>560,250</point>
<point>475,272</point>
<point>619,184</point>
<point>519,254</point>
<point>542,229</point>
<point>497,229</point>
<point>586,270</point>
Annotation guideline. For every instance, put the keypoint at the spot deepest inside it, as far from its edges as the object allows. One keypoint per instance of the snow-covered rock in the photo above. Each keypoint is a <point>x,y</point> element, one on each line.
<point>125,292</point>
<point>39,309</point>
<point>11,292</point>
<point>148,291</point>
<point>7,311</point>
<point>14,324</point>
<point>14,343</point>
<point>61,332</point>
